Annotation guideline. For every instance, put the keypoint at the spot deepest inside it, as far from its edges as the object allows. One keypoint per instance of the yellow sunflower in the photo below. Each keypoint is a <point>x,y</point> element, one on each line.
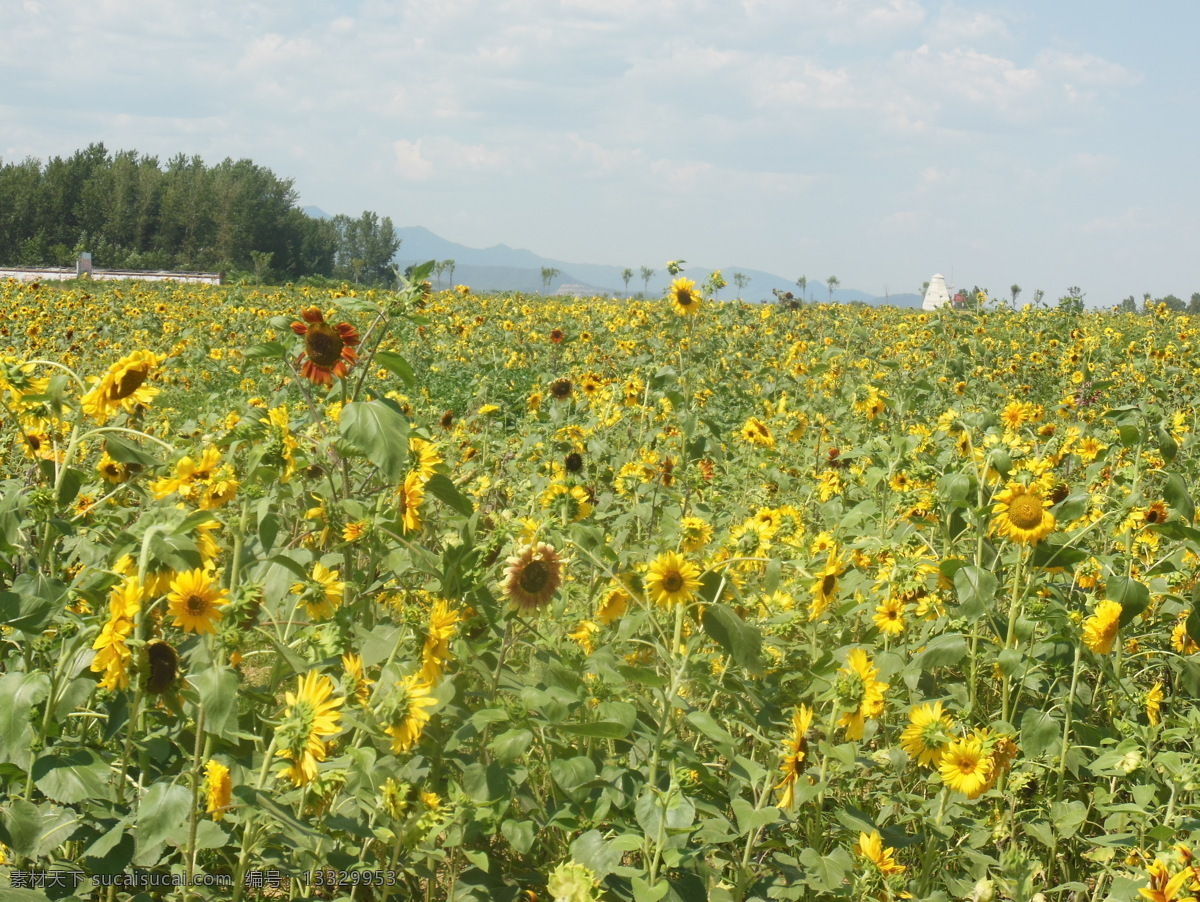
<point>927,734</point>
<point>685,297</point>
<point>323,593</point>
<point>824,589</point>
<point>1154,700</point>
<point>195,602</point>
<point>122,386</point>
<point>410,713</point>
<point>859,694</point>
<point>889,616</point>
<point>694,533</point>
<point>217,789</point>
<point>965,766</point>
<point>409,498</point>
<point>1022,514</point>
<point>870,846</point>
<point>1100,630</point>
<point>310,717</point>
<point>672,580</point>
<point>795,755</point>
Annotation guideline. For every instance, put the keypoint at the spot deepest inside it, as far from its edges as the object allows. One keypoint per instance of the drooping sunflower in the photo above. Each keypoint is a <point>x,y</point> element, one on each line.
<point>217,789</point>
<point>533,576</point>
<point>927,734</point>
<point>122,386</point>
<point>795,755</point>
<point>1100,630</point>
<point>870,846</point>
<point>613,607</point>
<point>756,432</point>
<point>965,766</point>
<point>824,590</point>
<point>311,715</point>
<point>1154,700</point>
<point>672,580</point>
<point>162,666</point>
<point>859,694</point>
<point>112,653</point>
<point>195,602</point>
<point>694,533</point>
<point>443,621</point>
<point>329,349</point>
<point>685,297</point>
<point>423,457</point>
<point>1022,514</point>
<point>357,682</point>
<point>409,713</point>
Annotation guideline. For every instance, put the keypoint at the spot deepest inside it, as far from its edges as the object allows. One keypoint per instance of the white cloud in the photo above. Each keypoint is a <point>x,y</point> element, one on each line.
<point>410,164</point>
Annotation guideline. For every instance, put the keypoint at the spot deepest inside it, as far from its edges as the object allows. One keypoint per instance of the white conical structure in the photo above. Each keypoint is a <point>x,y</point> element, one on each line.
<point>936,295</point>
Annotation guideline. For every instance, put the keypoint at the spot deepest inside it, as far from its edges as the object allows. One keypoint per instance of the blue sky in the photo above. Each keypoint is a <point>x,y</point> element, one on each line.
<point>1047,144</point>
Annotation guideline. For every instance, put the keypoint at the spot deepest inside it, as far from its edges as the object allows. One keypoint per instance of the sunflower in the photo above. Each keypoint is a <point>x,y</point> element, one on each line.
<point>443,621</point>
<point>112,471</point>
<point>889,616</point>
<point>1154,699</point>
<point>409,714</point>
<point>694,533</point>
<point>409,497</point>
<point>756,432</point>
<point>859,694</point>
<point>795,755</point>
<point>824,590</point>
<point>927,734</point>
<point>1100,630</point>
<point>870,846</point>
<point>122,386</point>
<point>162,666</point>
<point>217,789</point>
<point>533,576</point>
<point>322,594</point>
<point>561,389</point>
<point>112,653</point>
<point>1164,887</point>
<point>357,683</point>
<point>684,295</point>
<point>195,602</point>
<point>329,349</point>
<point>311,716</point>
<point>672,580</point>
<point>571,502</point>
<point>965,766</point>
<point>1021,514</point>
<point>424,457</point>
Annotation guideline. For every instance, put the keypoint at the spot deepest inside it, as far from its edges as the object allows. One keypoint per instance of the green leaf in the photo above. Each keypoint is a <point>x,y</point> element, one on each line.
<point>1193,621</point>
<point>164,807</point>
<point>1072,507</point>
<point>486,783</point>
<point>976,589</point>
<point>72,776</point>
<point>1129,434</point>
<point>396,365</point>
<point>1175,493</point>
<point>1132,595</point>
<point>826,873</point>
<point>440,487</point>
<point>286,819</point>
<point>268,350</point>
<point>380,430</point>
<point>571,773</point>
<point>35,831</point>
<point>125,452</point>
<point>728,630</point>
<point>1167,446</point>
<point>1040,732</point>
<point>749,818</point>
<point>707,724</point>
<point>218,690</point>
<point>27,613</point>
<point>511,745</point>
<point>593,851</point>
<point>644,892</point>
<point>520,834</point>
<point>943,651</point>
<point>19,692</point>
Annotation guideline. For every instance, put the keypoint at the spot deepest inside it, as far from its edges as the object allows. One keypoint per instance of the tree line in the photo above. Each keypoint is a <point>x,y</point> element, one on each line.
<point>130,212</point>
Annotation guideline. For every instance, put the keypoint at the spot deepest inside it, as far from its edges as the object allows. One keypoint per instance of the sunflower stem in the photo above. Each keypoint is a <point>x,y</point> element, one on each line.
<point>197,753</point>
<point>1014,613</point>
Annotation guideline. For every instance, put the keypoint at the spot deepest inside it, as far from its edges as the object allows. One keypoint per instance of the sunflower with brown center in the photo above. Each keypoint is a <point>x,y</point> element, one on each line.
<point>329,349</point>
<point>122,386</point>
<point>685,297</point>
<point>533,576</point>
<point>1021,514</point>
<point>195,602</point>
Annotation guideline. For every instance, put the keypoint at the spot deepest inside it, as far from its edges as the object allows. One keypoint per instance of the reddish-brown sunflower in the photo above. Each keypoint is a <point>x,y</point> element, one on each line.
<point>329,350</point>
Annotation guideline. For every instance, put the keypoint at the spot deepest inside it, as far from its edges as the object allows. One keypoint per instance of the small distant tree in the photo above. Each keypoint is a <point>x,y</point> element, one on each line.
<point>1147,302</point>
<point>802,284</point>
<point>262,264</point>
<point>448,266</point>
<point>1038,294</point>
<point>626,275</point>
<point>1129,304</point>
<point>647,275</point>
<point>1016,290</point>
<point>1193,306</point>
<point>357,264</point>
<point>833,282</point>
<point>1072,301</point>
<point>549,274</point>
<point>1174,304</point>
<point>741,280</point>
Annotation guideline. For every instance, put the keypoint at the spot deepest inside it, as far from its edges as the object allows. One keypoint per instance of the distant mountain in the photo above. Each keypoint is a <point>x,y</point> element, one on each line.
<point>315,213</point>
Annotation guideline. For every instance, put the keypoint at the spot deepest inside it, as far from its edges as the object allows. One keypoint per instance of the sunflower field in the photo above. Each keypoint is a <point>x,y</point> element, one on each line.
<point>429,596</point>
